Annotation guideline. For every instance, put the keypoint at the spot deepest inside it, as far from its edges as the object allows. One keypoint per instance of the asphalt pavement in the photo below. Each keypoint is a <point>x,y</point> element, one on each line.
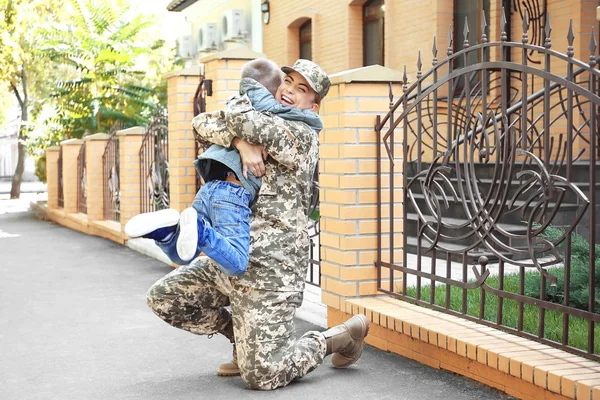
<point>74,325</point>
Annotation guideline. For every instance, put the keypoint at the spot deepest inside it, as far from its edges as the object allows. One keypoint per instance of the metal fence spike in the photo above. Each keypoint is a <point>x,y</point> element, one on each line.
<point>450,41</point>
<point>484,38</point>
<point>466,33</point>
<point>593,46</point>
<point>525,37</point>
<point>548,32</point>
<point>503,36</point>
<point>434,50</point>
<point>570,39</point>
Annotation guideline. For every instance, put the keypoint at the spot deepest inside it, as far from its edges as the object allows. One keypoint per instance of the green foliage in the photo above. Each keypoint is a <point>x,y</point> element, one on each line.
<point>105,51</point>
<point>579,273</point>
<point>93,63</point>
<point>37,145</point>
<point>553,320</point>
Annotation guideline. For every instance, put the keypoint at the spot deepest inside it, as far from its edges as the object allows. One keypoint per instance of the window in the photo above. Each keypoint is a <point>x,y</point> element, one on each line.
<point>373,22</point>
<point>306,40</point>
<point>471,9</point>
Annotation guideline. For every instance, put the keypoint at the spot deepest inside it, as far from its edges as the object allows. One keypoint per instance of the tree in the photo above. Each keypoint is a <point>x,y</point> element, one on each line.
<point>21,64</point>
<point>107,49</point>
<point>95,62</point>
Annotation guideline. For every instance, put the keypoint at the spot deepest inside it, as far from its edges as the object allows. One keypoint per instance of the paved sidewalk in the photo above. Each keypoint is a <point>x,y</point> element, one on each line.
<point>74,325</point>
<point>26,187</point>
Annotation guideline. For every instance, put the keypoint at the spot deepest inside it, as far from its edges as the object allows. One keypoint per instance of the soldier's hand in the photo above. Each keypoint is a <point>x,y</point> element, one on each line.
<point>251,156</point>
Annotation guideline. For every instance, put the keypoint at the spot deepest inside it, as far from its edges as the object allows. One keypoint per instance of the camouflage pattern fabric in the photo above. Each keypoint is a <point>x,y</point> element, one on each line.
<point>279,240</point>
<point>314,75</point>
<point>194,298</point>
<point>264,299</point>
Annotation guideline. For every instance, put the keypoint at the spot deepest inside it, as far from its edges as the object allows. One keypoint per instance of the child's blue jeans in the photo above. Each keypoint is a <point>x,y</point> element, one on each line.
<point>224,206</point>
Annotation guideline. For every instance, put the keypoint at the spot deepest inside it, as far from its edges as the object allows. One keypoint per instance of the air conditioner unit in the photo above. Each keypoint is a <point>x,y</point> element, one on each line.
<point>233,25</point>
<point>185,47</point>
<point>207,37</point>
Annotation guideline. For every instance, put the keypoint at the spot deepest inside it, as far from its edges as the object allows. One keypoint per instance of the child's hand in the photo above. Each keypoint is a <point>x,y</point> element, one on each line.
<point>252,156</point>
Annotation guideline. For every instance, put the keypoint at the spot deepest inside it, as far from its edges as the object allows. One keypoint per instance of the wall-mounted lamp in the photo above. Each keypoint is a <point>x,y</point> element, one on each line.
<point>266,12</point>
<point>207,84</point>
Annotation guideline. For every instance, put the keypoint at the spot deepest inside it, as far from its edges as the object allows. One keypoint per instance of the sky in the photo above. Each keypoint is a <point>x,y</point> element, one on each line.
<point>172,23</point>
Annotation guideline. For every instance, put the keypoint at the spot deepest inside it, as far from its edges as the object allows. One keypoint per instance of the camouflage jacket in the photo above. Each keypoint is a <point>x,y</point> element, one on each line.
<point>279,244</point>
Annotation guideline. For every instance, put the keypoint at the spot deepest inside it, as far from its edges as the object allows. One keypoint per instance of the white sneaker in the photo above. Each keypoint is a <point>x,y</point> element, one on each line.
<point>187,242</point>
<point>155,225</point>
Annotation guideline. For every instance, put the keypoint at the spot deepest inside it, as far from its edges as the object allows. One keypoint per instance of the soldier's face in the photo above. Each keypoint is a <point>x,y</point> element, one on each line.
<point>295,91</point>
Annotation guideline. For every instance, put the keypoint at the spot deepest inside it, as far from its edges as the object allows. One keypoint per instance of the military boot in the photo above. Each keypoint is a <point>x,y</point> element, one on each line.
<point>346,341</point>
<point>230,368</point>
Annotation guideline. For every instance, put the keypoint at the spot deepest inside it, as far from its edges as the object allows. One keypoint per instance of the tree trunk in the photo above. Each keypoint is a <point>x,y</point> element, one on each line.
<point>15,190</point>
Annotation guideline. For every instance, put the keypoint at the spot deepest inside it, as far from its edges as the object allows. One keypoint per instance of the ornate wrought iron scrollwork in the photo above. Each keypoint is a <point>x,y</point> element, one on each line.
<point>314,231</point>
<point>154,165</point>
<point>530,191</point>
<point>496,154</point>
<point>81,177</point>
<point>110,174</point>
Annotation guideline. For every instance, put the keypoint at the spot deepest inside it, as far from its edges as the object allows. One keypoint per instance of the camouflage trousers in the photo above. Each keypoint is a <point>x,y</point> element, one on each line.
<point>194,297</point>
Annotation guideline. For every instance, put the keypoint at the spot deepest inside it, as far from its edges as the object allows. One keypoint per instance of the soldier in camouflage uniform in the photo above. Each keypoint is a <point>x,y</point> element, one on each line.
<point>264,299</point>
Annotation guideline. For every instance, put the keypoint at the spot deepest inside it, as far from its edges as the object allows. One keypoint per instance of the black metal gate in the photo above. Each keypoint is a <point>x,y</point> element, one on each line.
<point>154,165</point>
<point>61,190</point>
<point>490,167</point>
<point>81,180</point>
<point>313,276</point>
<point>111,177</point>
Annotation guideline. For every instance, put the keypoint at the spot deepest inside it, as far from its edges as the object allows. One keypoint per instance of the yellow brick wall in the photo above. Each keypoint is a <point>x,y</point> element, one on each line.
<point>70,149</point>
<point>95,146</point>
<point>52,154</point>
<point>337,30</point>
<point>337,43</point>
<point>130,142</point>
<point>348,185</point>
<point>181,87</point>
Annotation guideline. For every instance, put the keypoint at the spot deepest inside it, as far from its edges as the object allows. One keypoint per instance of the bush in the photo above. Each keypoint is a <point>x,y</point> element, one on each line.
<point>40,168</point>
<point>579,274</point>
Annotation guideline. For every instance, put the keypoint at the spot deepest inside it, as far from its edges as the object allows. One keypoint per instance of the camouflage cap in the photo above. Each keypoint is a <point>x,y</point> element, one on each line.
<point>314,75</point>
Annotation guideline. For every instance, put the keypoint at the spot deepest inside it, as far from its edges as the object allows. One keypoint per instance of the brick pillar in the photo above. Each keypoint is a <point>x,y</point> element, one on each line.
<point>347,178</point>
<point>94,149</point>
<point>70,150</point>
<point>223,69</point>
<point>52,154</point>
<point>181,87</point>
<point>130,142</point>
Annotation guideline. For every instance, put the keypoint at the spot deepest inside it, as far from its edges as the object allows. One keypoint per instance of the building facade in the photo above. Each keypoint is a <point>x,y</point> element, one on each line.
<point>217,25</point>
<point>349,34</point>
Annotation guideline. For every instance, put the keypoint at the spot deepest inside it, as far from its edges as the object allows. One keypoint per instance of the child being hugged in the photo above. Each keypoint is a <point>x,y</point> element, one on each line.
<point>218,223</point>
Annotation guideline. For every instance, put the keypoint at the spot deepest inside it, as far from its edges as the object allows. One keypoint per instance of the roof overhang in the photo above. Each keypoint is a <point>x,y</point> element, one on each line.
<point>180,5</point>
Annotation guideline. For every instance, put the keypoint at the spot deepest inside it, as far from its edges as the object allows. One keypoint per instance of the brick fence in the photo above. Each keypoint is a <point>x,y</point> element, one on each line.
<point>348,206</point>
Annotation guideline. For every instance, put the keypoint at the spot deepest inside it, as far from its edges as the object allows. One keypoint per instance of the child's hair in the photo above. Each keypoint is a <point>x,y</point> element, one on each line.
<point>265,72</point>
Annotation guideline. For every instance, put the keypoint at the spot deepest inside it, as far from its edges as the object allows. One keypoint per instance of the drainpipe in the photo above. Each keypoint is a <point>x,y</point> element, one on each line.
<point>598,18</point>
<point>257,27</point>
